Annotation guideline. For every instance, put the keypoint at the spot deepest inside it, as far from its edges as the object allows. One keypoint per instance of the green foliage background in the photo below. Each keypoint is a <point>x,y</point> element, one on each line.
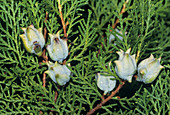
<point>147,25</point>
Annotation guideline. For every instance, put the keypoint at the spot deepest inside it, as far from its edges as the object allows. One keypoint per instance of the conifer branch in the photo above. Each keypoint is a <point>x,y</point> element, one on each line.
<point>43,55</point>
<point>23,81</point>
<point>62,19</point>
<point>122,11</point>
<point>107,99</point>
<point>45,28</point>
<point>56,95</point>
<point>45,34</point>
<point>117,21</point>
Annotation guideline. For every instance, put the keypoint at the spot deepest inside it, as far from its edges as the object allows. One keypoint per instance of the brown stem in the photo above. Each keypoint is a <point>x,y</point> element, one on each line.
<point>43,54</point>
<point>135,76</point>
<point>44,77</point>
<point>56,95</point>
<point>64,62</point>
<point>45,34</point>
<point>122,11</point>
<point>45,28</point>
<point>103,97</point>
<point>114,25</point>
<point>107,99</point>
<point>62,19</point>
<point>67,23</point>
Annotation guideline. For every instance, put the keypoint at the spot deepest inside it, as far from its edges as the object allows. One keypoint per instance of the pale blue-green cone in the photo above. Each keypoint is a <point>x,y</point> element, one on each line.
<point>125,65</point>
<point>149,69</point>
<point>58,73</point>
<point>33,40</point>
<point>58,49</point>
<point>105,83</point>
<point>112,37</point>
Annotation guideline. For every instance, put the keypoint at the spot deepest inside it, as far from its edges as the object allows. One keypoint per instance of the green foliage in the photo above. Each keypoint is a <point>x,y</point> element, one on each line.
<point>156,100</point>
<point>145,29</point>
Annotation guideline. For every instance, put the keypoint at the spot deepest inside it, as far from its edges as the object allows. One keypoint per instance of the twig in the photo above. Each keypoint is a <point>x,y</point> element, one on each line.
<point>114,25</point>
<point>45,34</point>
<point>44,77</point>
<point>56,95</point>
<point>45,28</point>
<point>62,19</point>
<point>135,76</point>
<point>122,11</point>
<point>55,99</point>
<point>43,55</point>
<point>67,23</point>
<point>103,97</point>
<point>63,23</point>
<point>107,99</point>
